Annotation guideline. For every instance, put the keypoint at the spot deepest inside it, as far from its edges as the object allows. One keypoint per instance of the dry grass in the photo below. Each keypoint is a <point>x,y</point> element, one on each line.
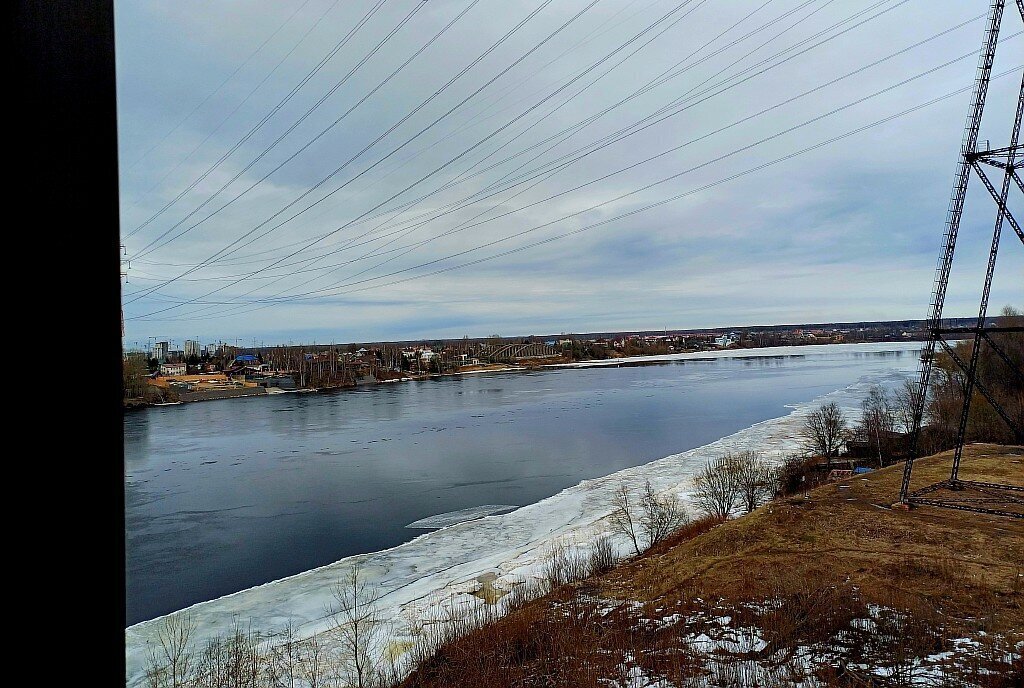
<point>806,574</point>
<point>845,534</point>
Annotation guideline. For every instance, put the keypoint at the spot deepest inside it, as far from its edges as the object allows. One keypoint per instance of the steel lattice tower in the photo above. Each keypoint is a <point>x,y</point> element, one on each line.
<point>954,492</point>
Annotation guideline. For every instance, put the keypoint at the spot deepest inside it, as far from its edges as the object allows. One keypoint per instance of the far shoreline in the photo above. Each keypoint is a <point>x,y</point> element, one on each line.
<point>786,351</point>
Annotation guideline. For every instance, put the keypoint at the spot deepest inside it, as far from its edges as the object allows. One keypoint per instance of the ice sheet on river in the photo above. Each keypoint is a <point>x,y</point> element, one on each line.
<point>450,518</point>
<point>421,578</point>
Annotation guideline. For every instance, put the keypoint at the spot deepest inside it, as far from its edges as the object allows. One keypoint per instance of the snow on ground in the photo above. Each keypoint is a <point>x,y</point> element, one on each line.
<point>424,578</point>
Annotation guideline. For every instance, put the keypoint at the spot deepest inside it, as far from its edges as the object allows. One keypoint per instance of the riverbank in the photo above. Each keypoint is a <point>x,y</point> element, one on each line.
<point>422,578</point>
<point>626,361</point>
<point>849,592</point>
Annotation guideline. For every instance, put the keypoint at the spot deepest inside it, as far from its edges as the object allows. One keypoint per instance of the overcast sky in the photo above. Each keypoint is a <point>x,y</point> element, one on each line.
<point>476,213</point>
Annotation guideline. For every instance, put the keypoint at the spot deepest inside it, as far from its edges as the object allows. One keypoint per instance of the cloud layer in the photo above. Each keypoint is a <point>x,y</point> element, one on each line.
<point>848,231</point>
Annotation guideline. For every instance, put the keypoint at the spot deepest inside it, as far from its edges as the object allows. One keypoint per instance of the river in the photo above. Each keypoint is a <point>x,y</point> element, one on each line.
<point>225,495</point>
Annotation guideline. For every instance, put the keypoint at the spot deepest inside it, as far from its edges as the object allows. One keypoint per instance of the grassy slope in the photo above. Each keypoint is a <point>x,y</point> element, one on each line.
<point>829,556</point>
<point>839,535</point>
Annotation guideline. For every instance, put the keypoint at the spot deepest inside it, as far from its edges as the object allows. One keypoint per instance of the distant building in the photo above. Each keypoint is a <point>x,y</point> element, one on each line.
<point>211,350</point>
<point>192,348</point>
<point>172,369</point>
<point>160,351</point>
<point>724,341</point>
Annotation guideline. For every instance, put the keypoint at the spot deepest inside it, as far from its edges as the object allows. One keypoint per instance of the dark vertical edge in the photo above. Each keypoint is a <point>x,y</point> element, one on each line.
<point>69,215</point>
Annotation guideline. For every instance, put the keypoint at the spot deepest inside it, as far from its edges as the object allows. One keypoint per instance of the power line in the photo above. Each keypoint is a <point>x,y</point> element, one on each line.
<point>407,141</point>
<point>726,81</point>
<point>219,87</point>
<point>152,245</point>
<point>636,211</point>
<point>149,290</point>
<point>593,118</point>
<point>284,101</point>
<point>460,130</point>
<point>546,174</point>
<point>672,177</point>
<point>237,107</point>
<point>462,177</point>
<point>423,104</point>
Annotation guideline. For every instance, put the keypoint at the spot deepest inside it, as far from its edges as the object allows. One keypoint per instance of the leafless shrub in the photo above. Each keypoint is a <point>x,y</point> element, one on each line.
<point>626,517</point>
<point>524,592</point>
<point>662,515</point>
<point>825,430</point>
<point>170,665</point>
<point>716,492</point>
<point>795,474</point>
<point>649,520</point>
<point>560,566</point>
<point>602,555</point>
<point>237,659</point>
<point>284,663</point>
<point>315,665</point>
<point>755,479</point>
<point>358,621</point>
<point>904,401</point>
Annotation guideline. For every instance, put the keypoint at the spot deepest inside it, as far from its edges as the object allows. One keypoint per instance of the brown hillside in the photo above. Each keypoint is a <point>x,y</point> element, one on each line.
<point>846,533</point>
<point>834,585</point>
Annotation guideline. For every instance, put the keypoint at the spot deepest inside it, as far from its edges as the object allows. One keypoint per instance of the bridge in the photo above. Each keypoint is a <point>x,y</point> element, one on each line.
<point>510,353</point>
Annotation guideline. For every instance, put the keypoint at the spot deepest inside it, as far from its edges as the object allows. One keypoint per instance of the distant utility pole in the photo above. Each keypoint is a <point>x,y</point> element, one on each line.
<point>1006,159</point>
<point>124,273</point>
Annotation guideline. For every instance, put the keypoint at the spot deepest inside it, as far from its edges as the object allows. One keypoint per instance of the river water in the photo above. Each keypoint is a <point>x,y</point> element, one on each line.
<point>225,495</point>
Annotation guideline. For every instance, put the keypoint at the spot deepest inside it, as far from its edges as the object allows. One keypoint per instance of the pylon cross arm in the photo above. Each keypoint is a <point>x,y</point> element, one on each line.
<point>999,201</point>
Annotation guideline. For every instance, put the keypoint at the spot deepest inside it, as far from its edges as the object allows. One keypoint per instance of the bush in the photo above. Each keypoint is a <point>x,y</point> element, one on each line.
<point>649,521</point>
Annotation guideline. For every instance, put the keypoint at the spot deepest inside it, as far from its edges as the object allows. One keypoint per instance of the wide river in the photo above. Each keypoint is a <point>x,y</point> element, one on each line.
<point>225,495</point>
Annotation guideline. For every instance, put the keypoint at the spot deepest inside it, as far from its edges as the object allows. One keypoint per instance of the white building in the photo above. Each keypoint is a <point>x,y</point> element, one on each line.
<point>172,369</point>
<point>192,348</point>
<point>726,339</point>
<point>211,350</point>
<point>160,350</point>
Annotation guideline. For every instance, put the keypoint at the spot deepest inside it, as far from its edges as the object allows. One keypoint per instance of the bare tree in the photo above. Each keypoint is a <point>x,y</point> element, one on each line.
<point>240,658</point>
<point>662,515</point>
<point>825,431</point>
<point>626,517</point>
<point>358,619</point>
<point>716,492</point>
<point>755,479</point>
<point>314,662</point>
<point>903,404</point>
<point>876,422</point>
<point>171,664</point>
<point>284,663</point>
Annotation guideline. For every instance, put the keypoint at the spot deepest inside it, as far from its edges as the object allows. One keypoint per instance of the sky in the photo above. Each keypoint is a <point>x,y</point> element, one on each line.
<point>368,170</point>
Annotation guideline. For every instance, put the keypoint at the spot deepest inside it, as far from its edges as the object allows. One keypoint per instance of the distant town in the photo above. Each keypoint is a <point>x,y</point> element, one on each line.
<point>163,373</point>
